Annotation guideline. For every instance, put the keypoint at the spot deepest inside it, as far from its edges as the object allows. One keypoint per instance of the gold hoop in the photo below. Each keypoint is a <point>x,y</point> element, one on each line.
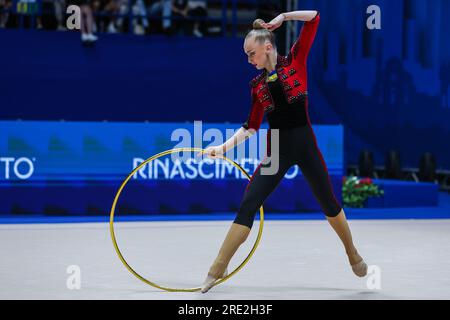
<point>113,237</point>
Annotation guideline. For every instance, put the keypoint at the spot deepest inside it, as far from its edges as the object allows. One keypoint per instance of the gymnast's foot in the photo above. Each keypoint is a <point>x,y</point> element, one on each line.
<point>210,280</point>
<point>359,267</point>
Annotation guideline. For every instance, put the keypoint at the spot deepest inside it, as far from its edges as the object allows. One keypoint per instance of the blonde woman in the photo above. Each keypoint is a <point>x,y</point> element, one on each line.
<point>280,92</point>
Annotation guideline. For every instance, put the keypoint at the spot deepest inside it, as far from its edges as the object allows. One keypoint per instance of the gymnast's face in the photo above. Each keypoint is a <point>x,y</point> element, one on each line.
<point>257,52</point>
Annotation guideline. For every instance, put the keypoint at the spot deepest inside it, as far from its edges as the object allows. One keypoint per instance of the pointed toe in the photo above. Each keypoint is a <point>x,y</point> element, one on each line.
<point>210,280</point>
<point>360,269</point>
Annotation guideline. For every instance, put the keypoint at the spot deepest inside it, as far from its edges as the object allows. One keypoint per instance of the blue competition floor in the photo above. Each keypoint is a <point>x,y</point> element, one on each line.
<point>440,212</point>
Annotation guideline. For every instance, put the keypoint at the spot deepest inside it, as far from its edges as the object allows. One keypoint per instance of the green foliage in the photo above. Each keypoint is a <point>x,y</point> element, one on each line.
<point>356,191</point>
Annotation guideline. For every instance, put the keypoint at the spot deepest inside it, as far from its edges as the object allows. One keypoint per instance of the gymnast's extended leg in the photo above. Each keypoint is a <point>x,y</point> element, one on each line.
<point>258,189</point>
<point>315,171</point>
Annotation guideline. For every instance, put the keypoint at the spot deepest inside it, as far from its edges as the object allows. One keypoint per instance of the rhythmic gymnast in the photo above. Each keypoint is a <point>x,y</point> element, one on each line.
<point>280,93</point>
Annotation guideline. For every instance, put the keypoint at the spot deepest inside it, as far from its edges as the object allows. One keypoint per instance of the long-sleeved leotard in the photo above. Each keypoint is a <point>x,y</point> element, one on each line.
<point>285,104</point>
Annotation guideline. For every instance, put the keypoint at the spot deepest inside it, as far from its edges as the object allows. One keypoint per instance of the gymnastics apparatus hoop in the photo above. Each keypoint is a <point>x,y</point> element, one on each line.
<point>113,237</point>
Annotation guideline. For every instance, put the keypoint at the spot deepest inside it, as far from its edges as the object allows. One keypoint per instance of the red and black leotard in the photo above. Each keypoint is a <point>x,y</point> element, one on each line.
<point>285,104</point>
<point>284,108</point>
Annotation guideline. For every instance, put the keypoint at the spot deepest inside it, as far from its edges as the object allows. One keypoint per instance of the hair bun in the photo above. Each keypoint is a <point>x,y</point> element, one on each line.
<point>258,24</point>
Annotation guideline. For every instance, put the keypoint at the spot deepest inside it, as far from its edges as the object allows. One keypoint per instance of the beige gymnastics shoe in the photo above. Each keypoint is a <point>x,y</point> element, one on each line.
<point>360,269</point>
<point>210,280</point>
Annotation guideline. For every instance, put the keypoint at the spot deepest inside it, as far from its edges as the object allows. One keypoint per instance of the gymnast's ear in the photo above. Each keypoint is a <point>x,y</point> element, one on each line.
<point>268,46</point>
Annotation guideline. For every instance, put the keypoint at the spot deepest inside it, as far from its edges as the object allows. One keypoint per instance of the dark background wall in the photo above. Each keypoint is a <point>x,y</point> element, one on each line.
<point>388,87</point>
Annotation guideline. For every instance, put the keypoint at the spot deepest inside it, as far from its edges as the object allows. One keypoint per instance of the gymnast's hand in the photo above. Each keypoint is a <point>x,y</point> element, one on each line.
<point>275,23</point>
<point>213,152</point>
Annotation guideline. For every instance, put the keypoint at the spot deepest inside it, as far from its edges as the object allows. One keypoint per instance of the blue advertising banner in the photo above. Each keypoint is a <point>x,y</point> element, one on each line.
<point>76,168</point>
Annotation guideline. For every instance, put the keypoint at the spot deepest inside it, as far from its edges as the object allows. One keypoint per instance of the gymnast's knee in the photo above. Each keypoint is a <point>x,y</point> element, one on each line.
<point>246,215</point>
<point>245,220</point>
<point>332,211</point>
<point>247,211</point>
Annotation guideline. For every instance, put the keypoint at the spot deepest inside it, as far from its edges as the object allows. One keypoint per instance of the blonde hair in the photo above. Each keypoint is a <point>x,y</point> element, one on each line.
<point>261,34</point>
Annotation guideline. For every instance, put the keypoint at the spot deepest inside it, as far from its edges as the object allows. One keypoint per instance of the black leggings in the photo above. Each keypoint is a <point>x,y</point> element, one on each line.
<point>296,146</point>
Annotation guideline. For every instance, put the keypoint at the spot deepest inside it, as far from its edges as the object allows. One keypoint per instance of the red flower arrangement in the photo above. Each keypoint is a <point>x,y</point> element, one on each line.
<point>355,191</point>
